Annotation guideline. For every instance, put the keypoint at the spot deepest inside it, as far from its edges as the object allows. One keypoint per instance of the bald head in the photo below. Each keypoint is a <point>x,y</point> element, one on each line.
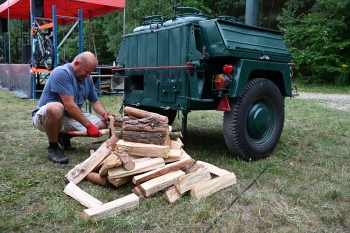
<point>86,58</point>
<point>83,64</point>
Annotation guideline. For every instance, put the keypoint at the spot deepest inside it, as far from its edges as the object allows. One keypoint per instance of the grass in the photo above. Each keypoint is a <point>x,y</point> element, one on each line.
<point>326,89</point>
<point>304,189</point>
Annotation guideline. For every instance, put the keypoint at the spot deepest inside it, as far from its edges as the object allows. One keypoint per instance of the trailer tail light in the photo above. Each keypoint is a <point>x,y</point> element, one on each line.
<point>228,68</point>
<point>221,81</point>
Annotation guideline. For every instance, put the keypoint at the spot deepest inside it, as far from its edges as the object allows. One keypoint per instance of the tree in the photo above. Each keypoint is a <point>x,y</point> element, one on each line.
<point>318,39</point>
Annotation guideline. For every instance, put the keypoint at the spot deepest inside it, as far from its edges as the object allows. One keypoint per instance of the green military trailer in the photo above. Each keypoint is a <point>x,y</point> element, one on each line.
<point>194,62</point>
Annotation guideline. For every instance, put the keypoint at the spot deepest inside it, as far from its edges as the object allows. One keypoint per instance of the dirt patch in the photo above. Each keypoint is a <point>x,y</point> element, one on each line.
<point>335,101</point>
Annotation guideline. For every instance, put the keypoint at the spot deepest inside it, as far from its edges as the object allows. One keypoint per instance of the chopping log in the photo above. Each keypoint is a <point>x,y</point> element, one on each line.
<point>138,113</point>
<point>112,208</point>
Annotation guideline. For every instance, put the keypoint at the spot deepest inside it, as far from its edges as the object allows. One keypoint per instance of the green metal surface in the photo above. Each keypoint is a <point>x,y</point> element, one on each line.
<point>208,44</point>
<point>261,121</point>
<point>258,121</point>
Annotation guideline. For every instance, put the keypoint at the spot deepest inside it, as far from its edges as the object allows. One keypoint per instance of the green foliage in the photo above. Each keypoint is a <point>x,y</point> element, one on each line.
<point>316,32</point>
<point>318,40</point>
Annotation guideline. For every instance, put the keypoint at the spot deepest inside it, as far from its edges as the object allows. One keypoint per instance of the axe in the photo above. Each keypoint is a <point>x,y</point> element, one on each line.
<point>83,133</point>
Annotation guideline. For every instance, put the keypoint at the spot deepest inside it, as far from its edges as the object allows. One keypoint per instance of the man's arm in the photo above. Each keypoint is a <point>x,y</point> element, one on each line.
<point>98,107</point>
<point>73,109</point>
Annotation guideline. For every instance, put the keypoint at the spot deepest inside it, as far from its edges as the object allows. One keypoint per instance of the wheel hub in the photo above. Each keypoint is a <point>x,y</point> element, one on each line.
<point>258,120</point>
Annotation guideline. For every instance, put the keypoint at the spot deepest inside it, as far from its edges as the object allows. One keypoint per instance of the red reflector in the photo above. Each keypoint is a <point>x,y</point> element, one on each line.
<point>220,82</point>
<point>227,69</point>
<point>224,105</point>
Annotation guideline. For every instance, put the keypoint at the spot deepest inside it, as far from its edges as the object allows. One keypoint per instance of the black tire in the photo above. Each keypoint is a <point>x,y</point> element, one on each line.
<point>254,125</point>
<point>49,55</point>
<point>37,55</point>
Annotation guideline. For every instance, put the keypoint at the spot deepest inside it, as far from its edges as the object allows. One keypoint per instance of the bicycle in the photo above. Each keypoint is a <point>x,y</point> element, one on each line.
<point>43,51</point>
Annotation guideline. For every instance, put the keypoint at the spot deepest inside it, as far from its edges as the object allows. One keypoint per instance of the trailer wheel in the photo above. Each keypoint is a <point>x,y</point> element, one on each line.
<point>254,125</point>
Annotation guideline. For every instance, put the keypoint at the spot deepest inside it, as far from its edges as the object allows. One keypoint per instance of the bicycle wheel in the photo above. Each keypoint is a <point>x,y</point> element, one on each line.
<point>49,56</point>
<point>37,55</point>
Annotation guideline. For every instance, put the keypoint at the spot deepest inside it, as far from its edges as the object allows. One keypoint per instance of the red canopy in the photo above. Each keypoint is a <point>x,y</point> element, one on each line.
<point>20,9</point>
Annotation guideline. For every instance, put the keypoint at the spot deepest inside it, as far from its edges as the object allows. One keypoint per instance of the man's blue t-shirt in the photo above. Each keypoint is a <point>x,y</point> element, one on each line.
<point>63,81</point>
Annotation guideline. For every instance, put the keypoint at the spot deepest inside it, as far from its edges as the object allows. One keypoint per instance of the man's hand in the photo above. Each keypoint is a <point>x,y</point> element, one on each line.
<point>92,130</point>
<point>107,116</point>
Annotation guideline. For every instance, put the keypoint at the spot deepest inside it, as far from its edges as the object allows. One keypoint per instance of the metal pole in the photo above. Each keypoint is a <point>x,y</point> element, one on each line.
<point>68,34</point>
<point>32,16</point>
<point>55,48</point>
<point>9,30</point>
<point>252,10</point>
<point>124,22</point>
<point>4,46</point>
<point>80,13</point>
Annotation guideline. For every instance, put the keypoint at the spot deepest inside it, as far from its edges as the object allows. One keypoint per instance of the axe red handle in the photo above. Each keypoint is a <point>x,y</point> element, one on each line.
<point>85,134</point>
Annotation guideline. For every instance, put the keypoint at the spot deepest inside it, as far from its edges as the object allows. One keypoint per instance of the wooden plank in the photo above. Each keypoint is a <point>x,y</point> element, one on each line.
<point>81,196</point>
<point>207,188</point>
<point>155,185</point>
<point>140,167</point>
<point>176,144</point>
<point>138,192</point>
<point>214,169</point>
<point>171,194</point>
<point>143,149</point>
<point>188,181</point>
<point>119,181</point>
<point>175,153</point>
<point>79,172</point>
<point>173,159</point>
<point>112,208</point>
<point>138,179</point>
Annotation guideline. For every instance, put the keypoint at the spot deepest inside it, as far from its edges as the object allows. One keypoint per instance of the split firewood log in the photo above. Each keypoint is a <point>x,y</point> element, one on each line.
<point>95,178</point>
<point>148,124</point>
<point>110,162</point>
<point>127,162</point>
<point>143,114</point>
<point>118,122</point>
<point>157,138</point>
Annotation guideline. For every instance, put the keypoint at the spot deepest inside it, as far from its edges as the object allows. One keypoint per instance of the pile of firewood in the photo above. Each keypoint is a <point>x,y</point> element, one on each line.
<point>146,153</point>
